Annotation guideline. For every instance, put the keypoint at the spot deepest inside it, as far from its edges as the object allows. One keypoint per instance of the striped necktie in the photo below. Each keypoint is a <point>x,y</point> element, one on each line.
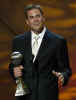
<point>35,45</point>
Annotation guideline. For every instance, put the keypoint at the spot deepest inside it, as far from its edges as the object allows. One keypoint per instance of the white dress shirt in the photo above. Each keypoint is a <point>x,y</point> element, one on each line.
<point>40,35</point>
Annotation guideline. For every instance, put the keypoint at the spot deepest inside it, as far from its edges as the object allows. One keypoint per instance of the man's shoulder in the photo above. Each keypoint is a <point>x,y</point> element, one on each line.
<point>54,35</point>
<point>20,36</point>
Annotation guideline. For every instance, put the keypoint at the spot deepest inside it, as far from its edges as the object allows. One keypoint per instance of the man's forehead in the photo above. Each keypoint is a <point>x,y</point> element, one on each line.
<point>32,11</point>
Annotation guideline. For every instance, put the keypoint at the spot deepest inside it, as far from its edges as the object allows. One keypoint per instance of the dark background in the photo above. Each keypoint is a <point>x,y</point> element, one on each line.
<point>60,18</point>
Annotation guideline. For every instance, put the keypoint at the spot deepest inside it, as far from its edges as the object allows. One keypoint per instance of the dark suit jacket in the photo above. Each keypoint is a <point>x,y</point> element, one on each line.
<point>38,76</point>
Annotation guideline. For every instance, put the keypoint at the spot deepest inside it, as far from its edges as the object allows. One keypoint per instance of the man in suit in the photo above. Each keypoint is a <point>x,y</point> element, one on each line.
<point>45,67</point>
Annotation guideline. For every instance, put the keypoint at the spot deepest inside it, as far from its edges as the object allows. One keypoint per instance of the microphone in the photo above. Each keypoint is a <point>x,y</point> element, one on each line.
<point>21,89</point>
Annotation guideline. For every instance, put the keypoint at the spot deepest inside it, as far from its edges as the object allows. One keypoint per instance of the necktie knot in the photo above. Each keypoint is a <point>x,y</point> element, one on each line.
<point>36,38</point>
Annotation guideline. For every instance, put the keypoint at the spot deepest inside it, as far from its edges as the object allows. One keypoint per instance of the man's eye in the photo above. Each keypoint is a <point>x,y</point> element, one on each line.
<point>37,15</point>
<point>31,17</point>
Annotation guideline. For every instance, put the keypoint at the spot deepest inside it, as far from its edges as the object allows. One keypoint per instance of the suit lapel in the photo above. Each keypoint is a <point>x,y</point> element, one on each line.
<point>43,46</point>
<point>28,48</point>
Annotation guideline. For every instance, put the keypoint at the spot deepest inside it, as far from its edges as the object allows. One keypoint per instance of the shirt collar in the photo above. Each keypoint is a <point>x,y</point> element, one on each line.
<point>40,34</point>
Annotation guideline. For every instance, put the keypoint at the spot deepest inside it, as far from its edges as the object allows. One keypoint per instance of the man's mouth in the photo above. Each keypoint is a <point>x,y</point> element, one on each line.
<point>36,24</point>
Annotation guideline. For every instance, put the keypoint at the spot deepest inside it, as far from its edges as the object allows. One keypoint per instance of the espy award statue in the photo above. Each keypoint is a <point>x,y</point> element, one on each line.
<point>21,89</point>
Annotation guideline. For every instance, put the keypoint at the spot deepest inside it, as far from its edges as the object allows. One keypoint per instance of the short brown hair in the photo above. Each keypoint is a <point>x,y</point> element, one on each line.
<point>30,7</point>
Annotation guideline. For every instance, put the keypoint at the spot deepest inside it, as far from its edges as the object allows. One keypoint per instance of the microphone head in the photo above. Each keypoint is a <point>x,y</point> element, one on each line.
<point>16,58</point>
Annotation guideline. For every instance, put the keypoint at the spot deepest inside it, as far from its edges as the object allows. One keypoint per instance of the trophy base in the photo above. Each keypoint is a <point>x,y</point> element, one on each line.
<point>21,89</point>
<point>19,93</point>
<point>22,92</point>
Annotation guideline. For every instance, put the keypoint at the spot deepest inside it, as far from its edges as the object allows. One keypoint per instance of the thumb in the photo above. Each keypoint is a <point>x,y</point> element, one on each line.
<point>55,73</point>
<point>21,67</point>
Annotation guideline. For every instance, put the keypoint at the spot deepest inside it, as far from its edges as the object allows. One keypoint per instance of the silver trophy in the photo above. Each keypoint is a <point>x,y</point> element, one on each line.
<point>21,89</point>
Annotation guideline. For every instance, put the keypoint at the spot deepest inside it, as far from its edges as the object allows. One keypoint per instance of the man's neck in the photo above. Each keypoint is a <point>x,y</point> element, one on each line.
<point>38,32</point>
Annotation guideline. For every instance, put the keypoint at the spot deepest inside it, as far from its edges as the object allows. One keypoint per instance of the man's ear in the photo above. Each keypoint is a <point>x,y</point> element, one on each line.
<point>26,21</point>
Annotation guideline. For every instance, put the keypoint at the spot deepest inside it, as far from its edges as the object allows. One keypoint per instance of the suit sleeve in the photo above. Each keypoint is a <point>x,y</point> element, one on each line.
<point>11,66</point>
<point>63,60</point>
<point>17,45</point>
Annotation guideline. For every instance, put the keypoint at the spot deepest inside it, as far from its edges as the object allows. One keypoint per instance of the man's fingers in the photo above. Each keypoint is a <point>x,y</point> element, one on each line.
<point>18,71</point>
<point>60,78</point>
<point>59,75</point>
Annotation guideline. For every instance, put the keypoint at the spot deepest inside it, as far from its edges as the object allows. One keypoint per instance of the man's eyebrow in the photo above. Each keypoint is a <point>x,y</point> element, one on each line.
<point>34,15</point>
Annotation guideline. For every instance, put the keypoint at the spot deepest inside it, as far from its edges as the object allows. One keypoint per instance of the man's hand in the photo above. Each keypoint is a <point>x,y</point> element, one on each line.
<point>18,71</point>
<point>60,78</point>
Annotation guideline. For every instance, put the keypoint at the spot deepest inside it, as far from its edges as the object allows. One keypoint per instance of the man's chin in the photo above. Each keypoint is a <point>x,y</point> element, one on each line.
<point>39,30</point>
<point>36,29</point>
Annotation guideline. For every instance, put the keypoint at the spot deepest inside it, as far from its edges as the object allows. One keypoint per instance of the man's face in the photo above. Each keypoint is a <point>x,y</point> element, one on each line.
<point>35,20</point>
